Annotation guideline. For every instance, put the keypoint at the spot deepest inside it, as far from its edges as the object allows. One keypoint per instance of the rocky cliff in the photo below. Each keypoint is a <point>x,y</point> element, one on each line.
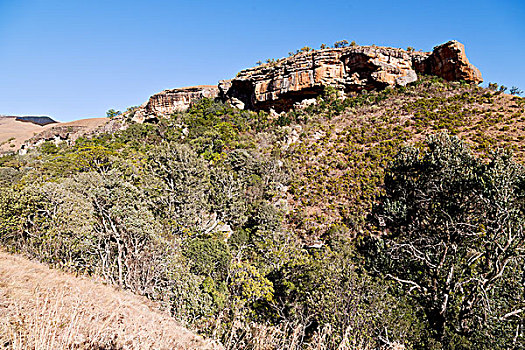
<point>450,62</point>
<point>282,84</point>
<point>279,85</point>
<point>174,100</point>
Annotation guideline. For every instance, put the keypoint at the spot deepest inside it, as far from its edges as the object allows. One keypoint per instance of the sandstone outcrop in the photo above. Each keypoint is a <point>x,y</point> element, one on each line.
<point>171,101</point>
<point>450,62</point>
<point>299,79</point>
<point>280,85</point>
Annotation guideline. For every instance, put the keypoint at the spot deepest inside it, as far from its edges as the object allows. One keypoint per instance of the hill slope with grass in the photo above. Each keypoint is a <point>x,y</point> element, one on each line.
<point>15,133</point>
<point>380,220</point>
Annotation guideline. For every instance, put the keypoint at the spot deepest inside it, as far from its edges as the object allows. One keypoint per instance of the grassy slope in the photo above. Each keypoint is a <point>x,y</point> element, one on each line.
<point>48,309</point>
<point>339,160</point>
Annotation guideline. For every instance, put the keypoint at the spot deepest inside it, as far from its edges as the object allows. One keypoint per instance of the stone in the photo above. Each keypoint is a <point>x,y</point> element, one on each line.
<point>287,82</point>
<point>172,101</point>
<point>284,84</point>
<point>450,62</point>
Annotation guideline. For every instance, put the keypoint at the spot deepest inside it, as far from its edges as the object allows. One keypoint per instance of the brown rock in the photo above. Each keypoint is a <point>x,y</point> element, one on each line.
<point>282,84</point>
<point>450,62</point>
<point>303,76</point>
<point>171,101</point>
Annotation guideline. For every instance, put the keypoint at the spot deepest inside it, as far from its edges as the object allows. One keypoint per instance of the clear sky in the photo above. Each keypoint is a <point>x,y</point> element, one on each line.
<point>73,59</point>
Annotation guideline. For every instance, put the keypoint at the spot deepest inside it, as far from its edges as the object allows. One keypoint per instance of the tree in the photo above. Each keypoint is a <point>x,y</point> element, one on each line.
<point>515,91</point>
<point>112,113</point>
<point>49,147</point>
<point>178,187</point>
<point>341,43</point>
<point>456,241</point>
<point>493,86</point>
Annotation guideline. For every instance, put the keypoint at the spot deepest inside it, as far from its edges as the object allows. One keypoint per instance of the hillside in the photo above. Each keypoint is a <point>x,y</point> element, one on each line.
<point>15,133</point>
<point>340,157</point>
<point>339,198</point>
<point>47,309</point>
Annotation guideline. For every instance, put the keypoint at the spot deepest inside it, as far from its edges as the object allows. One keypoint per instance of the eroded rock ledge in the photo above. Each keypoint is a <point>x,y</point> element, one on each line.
<point>288,81</point>
<point>282,84</point>
<point>171,101</point>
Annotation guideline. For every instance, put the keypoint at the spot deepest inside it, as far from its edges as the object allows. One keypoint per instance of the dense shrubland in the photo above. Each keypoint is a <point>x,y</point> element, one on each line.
<point>214,214</point>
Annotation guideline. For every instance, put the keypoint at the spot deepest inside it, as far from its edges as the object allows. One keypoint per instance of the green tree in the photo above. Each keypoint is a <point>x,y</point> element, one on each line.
<point>178,184</point>
<point>49,147</point>
<point>456,241</point>
<point>112,113</point>
<point>341,43</point>
<point>515,91</point>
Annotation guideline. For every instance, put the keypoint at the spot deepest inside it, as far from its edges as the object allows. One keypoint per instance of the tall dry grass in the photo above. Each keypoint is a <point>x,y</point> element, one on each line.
<point>42,308</point>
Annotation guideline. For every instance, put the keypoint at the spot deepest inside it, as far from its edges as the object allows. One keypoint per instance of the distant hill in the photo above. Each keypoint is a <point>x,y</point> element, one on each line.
<point>15,131</point>
<point>38,120</point>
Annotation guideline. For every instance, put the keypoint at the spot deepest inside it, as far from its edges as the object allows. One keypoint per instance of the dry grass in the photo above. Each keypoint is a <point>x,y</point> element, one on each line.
<point>340,160</point>
<point>42,308</point>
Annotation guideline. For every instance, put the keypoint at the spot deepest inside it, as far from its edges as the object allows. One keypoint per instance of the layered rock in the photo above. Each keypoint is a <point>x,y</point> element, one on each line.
<point>299,79</point>
<point>450,62</point>
<point>282,84</point>
<point>171,101</point>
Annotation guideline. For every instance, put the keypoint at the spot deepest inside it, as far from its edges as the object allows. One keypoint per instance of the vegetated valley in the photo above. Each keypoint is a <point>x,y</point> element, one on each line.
<point>390,219</point>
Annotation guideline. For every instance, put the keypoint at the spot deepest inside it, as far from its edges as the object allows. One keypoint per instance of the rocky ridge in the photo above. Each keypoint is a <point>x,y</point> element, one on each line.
<point>287,82</point>
<point>171,101</point>
<point>282,84</point>
<point>71,131</point>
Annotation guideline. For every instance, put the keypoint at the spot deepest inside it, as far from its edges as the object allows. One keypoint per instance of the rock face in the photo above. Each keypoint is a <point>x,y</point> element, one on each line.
<point>288,81</point>
<point>170,101</point>
<point>449,62</point>
<point>299,79</point>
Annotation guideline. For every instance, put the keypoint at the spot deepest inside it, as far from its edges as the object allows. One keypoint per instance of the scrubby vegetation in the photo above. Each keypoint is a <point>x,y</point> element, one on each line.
<point>316,229</point>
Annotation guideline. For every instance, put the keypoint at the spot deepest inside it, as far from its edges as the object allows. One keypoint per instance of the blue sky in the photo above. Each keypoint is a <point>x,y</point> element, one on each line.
<point>75,59</point>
